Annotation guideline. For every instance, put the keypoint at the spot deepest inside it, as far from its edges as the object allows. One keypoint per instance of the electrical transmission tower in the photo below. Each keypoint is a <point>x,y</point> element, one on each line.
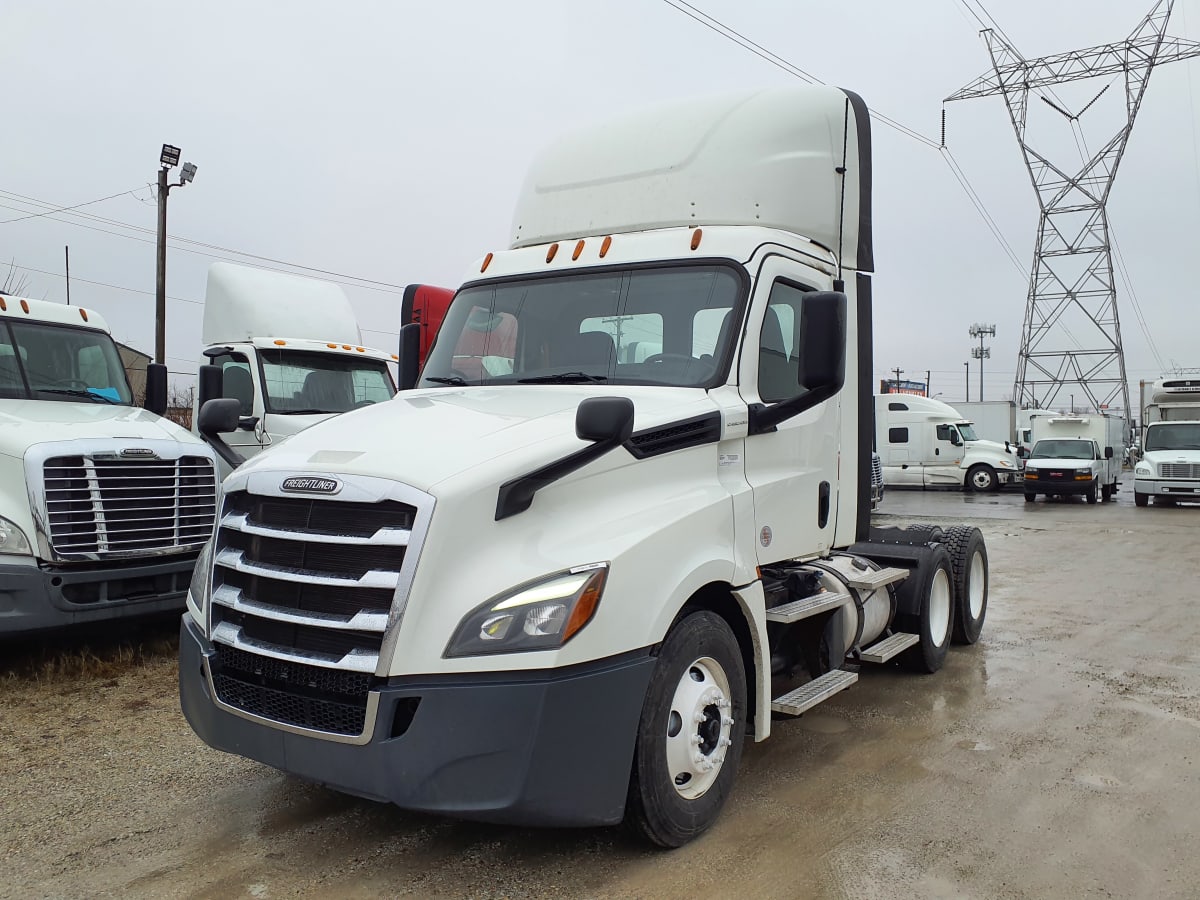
<point>1072,294</point>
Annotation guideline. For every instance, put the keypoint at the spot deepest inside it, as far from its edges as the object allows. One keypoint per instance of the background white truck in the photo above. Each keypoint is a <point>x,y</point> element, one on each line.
<point>1076,456</point>
<point>924,442</point>
<point>103,506</point>
<point>1001,421</point>
<point>592,574</point>
<point>288,349</point>
<point>1169,465</point>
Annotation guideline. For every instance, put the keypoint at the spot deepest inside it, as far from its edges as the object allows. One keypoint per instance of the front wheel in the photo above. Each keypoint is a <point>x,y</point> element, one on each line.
<point>982,478</point>
<point>1140,499</point>
<point>690,734</point>
<point>1030,496</point>
<point>1091,493</point>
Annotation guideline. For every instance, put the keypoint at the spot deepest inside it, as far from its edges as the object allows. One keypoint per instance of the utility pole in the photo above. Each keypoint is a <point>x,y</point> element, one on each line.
<point>967,391</point>
<point>896,383</point>
<point>67,256</point>
<point>1072,334</point>
<point>168,159</point>
<point>981,352</point>
<point>928,389</point>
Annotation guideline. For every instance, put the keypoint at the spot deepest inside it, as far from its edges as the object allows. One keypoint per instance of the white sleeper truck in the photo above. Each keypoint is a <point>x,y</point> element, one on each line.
<point>288,349</point>
<point>1169,466</point>
<point>924,442</point>
<point>1076,456</point>
<point>595,571</point>
<point>103,506</point>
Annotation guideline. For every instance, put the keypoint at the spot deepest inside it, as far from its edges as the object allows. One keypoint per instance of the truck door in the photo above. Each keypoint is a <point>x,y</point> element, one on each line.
<point>239,381</point>
<point>946,449</point>
<point>793,470</point>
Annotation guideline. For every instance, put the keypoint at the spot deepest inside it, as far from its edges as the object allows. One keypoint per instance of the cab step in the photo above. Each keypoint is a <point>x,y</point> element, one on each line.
<point>889,647</point>
<point>807,606</point>
<point>869,579</point>
<point>808,695</point>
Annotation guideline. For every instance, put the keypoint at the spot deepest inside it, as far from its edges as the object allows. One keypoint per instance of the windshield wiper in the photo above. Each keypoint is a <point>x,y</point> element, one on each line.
<point>452,380</point>
<point>564,378</point>
<point>70,392</point>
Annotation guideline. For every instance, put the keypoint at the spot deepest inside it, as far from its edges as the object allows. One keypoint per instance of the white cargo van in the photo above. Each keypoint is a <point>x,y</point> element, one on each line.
<point>103,506</point>
<point>289,350</point>
<point>1078,455</point>
<point>926,443</point>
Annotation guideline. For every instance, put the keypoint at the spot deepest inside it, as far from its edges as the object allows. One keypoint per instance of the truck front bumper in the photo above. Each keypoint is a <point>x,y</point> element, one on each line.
<point>523,747</point>
<point>39,598</point>
<point>1181,489</point>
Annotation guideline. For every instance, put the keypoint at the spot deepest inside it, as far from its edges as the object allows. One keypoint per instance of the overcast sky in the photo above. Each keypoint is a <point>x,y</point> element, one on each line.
<point>387,141</point>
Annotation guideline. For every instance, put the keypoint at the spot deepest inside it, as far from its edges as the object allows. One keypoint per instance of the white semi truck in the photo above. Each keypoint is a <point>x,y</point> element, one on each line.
<point>104,506</point>
<point>924,442</point>
<point>561,586</point>
<point>1076,456</point>
<point>1169,466</point>
<point>288,349</point>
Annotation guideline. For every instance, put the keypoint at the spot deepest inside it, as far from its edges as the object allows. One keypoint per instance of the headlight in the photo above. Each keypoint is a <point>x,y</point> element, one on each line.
<point>538,615</point>
<point>13,540</point>
<point>1143,469</point>
<point>201,579</point>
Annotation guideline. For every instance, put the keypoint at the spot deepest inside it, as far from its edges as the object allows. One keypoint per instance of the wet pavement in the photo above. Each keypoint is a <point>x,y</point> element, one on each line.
<point>1058,757</point>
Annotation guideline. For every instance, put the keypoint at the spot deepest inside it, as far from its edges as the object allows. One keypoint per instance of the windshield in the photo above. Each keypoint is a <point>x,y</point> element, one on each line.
<point>300,382</point>
<point>39,361</point>
<point>1182,436</point>
<point>1063,449</point>
<point>664,325</point>
<point>967,432</point>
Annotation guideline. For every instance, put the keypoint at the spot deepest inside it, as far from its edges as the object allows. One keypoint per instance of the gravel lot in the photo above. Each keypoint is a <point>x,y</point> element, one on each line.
<point>1057,758</point>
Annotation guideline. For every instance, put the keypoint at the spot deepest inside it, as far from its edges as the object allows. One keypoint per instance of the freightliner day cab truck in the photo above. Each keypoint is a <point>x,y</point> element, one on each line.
<point>289,350</point>
<point>594,572</point>
<point>927,443</point>
<point>103,506</point>
<point>1077,455</point>
<point>1169,467</point>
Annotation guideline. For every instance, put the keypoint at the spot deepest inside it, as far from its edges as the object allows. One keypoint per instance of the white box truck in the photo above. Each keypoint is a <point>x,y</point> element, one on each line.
<point>1168,468</point>
<point>992,420</point>
<point>1078,455</point>
<point>103,506</point>
<point>595,571</point>
<point>924,442</point>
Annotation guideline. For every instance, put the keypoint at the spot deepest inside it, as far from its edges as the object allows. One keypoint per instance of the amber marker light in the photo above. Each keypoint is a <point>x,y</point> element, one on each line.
<point>604,245</point>
<point>585,607</point>
<point>83,314</point>
<point>24,306</point>
<point>280,343</point>
<point>345,346</point>
<point>487,261</point>
<point>551,253</point>
<point>578,251</point>
<point>3,305</point>
<point>331,346</point>
<point>696,237</point>
<point>361,349</point>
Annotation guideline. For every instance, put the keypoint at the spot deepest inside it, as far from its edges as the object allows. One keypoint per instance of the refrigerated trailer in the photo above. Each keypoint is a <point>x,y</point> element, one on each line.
<point>561,588</point>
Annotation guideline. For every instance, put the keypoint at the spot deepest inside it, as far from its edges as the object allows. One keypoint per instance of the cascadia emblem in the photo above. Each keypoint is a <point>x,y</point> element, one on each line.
<point>308,484</point>
<point>137,452</point>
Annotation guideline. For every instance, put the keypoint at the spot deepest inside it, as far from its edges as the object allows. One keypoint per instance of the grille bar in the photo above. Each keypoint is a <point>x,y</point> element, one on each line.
<point>235,599</point>
<point>1179,470</point>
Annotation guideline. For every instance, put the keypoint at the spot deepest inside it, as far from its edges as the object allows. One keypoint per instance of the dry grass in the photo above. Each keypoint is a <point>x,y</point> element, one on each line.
<point>100,653</point>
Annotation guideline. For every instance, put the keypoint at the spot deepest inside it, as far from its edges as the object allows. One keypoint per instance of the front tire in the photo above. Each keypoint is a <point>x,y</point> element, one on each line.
<point>1030,496</point>
<point>690,734</point>
<point>969,566</point>
<point>1091,493</point>
<point>982,478</point>
<point>1140,499</point>
<point>933,622</point>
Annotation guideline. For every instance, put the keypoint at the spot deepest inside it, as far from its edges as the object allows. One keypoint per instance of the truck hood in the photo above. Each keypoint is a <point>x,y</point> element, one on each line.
<point>992,446</point>
<point>24,423</point>
<point>1060,462</point>
<point>511,429</point>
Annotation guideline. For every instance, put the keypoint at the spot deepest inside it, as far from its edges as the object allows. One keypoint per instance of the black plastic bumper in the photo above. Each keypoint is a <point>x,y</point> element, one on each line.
<point>524,748</point>
<point>1060,488</point>
<point>39,599</point>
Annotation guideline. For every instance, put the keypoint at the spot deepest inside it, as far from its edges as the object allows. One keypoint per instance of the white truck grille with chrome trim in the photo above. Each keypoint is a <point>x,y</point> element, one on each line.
<point>1179,470</point>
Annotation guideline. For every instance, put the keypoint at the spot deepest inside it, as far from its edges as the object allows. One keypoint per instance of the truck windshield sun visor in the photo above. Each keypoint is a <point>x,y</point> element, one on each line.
<point>653,325</point>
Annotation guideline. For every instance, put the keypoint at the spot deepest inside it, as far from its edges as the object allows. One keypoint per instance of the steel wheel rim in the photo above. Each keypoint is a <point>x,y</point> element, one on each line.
<point>939,607</point>
<point>976,583</point>
<point>699,723</point>
<point>983,479</point>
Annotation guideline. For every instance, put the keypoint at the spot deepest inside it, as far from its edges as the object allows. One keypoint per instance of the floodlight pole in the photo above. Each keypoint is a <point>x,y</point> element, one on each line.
<point>160,279</point>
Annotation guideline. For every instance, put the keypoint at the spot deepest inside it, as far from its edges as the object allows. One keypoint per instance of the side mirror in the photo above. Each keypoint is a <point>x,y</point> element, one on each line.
<point>822,352</point>
<point>410,356</point>
<point>604,419</point>
<point>1108,452</point>
<point>219,417</point>
<point>210,384</point>
<point>156,389</point>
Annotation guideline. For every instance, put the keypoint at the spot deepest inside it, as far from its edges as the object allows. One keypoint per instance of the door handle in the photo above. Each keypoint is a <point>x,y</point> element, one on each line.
<point>823,504</point>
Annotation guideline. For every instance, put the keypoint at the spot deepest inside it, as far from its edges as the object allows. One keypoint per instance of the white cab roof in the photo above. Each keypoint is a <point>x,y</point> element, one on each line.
<point>47,311</point>
<point>770,158</point>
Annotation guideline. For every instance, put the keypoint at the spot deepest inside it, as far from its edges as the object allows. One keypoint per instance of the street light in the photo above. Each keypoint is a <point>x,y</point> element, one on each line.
<point>981,352</point>
<point>168,159</point>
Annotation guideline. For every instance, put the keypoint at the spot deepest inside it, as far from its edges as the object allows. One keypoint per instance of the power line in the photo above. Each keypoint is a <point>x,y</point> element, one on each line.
<point>67,208</point>
<point>116,287</point>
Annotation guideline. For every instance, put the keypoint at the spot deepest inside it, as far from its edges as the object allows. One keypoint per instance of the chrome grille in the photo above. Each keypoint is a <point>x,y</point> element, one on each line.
<point>118,507</point>
<point>305,582</point>
<point>1179,470</point>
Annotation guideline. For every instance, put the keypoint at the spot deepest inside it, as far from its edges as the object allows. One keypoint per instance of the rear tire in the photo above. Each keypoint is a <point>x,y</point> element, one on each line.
<point>981,478</point>
<point>1140,499</point>
<point>678,786</point>
<point>934,588</point>
<point>969,566</point>
<point>1106,492</point>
